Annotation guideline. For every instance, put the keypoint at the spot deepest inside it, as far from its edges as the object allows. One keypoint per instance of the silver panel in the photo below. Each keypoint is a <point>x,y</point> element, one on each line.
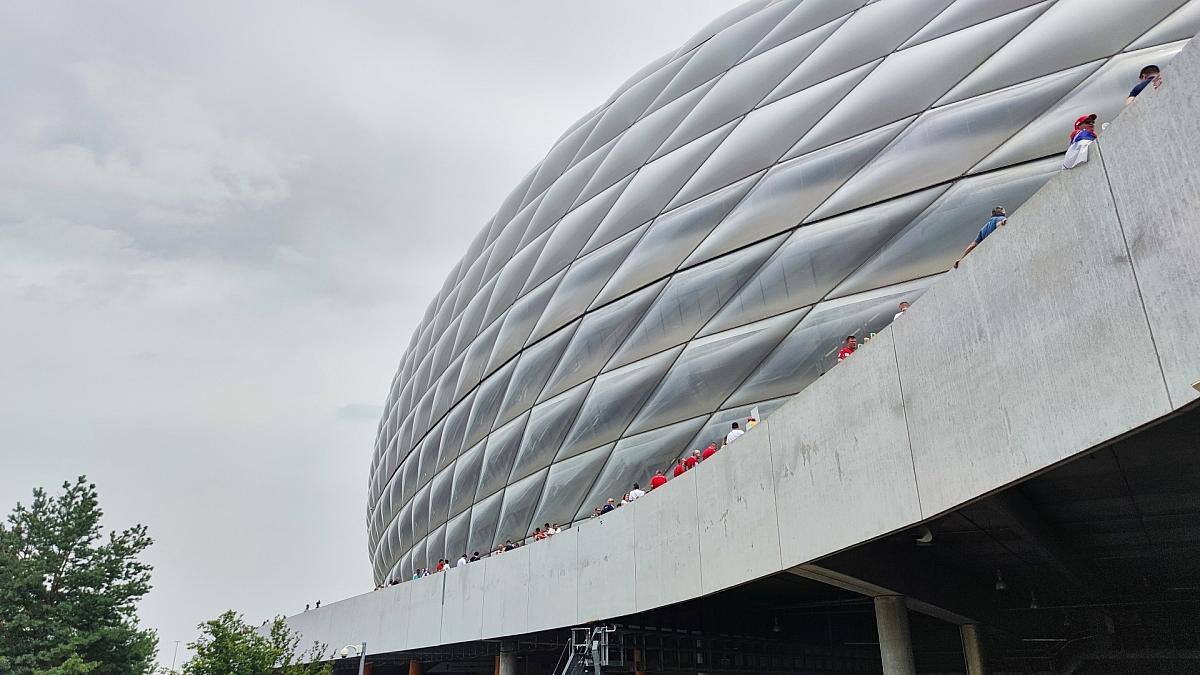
<point>613,401</point>
<point>697,246</point>
<point>690,299</point>
<point>766,134</point>
<point>709,369</point>
<point>599,335</point>
<point>635,459</point>
<point>670,239</point>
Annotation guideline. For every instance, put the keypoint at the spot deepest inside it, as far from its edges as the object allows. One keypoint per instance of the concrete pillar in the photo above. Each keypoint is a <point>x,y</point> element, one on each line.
<point>506,663</point>
<point>972,642</point>
<point>414,667</point>
<point>895,641</point>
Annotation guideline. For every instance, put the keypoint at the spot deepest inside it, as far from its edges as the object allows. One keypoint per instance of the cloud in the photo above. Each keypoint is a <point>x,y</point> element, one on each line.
<point>220,223</point>
<point>359,412</point>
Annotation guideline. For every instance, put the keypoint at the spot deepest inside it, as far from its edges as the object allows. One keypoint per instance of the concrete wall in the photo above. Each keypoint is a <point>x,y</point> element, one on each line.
<point>1072,325</point>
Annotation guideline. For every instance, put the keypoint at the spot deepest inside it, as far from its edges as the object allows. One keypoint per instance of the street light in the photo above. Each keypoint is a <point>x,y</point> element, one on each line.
<point>361,650</point>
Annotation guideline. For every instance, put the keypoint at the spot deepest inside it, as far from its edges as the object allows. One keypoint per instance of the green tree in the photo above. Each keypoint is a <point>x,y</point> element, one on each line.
<point>229,646</point>
<point>68,594</point>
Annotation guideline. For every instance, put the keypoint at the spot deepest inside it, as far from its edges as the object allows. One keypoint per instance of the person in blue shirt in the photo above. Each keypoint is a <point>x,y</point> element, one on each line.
<point>1150,74</point>
<point>998,219</point>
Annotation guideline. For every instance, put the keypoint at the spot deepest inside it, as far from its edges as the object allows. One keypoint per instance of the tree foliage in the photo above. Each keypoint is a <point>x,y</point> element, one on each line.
<point>229,646</point>
<point>68,594</point>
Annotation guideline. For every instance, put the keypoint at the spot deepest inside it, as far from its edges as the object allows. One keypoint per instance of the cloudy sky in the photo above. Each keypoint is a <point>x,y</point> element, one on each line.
<point>219,223</point>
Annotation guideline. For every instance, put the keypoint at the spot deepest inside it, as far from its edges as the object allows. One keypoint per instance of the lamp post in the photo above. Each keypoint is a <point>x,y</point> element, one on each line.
<point>362,655</point>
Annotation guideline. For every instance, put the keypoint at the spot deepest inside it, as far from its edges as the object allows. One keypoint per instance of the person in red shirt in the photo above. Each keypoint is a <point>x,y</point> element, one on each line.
<point>848,349</point>
<point>441,566</point>
<point>658,480</point>
<point>538,535</point>
<point>692,460</point>
<point>679,468</point>
<point>709,451</point>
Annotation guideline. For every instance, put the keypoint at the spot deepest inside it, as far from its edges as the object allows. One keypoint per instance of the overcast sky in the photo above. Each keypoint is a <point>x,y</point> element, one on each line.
<point>219,223</point>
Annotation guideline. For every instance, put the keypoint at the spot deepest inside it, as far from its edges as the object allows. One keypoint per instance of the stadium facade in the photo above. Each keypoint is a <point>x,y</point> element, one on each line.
<point>695,248</point>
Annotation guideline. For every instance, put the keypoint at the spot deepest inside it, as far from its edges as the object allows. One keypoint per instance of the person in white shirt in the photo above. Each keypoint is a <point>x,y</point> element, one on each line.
<point>636,492</point>
<point>733,434</point>
<point>462,560</point>
<point>903,309</point>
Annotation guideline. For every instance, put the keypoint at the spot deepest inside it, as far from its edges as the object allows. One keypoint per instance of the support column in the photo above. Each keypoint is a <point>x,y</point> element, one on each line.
<point>506,663</point>
<point>972,642</point>
<point>895,640</point>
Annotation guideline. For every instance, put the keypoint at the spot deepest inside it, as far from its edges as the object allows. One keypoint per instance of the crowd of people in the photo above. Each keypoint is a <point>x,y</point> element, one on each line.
<point>1081,137</point>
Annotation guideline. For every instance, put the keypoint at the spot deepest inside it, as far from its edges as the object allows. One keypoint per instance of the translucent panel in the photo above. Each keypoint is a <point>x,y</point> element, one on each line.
<point>598,336</point>
<point>811,349</point>
<point>470,285</point>
<point>612,402</point>
<point>487,404</point>
<point>690,299</point>
<point>709,370</point>
<point>455,428</point>
<point>457,531</point>
<point>444,396</point>
<point>421,416</point>
<point>721,23</point>
<point>635,459</point>
<point>671,238</point>
<point>420,513</point>
<point>817,257</point>
<point>404,569</point>
<point>642,73</point>
<point>505,246</point>
<point>790,191</point>
<point>473,317</point>
<point>566,484</point>
<point>417,556</point>
<point>434,440</point>
<point>520,321</point>
<point>568,237</point>
<point>466,479</point>
<point>766,134</point>
<point>1042,49</point>
<point>502,446</point>
<point>548,424</point>
<point>629,106</point>
<point>945,142</point>
<point>404,526</point>
<point>443,318</point>
<point>533,369</point>
<point>901,85</point>
<point>582,282</point>
<point>439,497</point>
<point>512,203</point>
<point>476,359</point>
<point>512,278</point>
<point>809,15</point>
<point>435,546</point>
<point>653,187</point>
<point>937,238</point>
<point>520,499</point>
<point>742,88</point>
<point>409,469</point>
<point>722,51</point>
<point>484,517</point>
<point>1103,94</point>
<point>637,144</point>
<point>566,191</point>
<point>1181,25</point>
<point>558,160</point>
<point>963,13</point>
<point>869,33</point>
